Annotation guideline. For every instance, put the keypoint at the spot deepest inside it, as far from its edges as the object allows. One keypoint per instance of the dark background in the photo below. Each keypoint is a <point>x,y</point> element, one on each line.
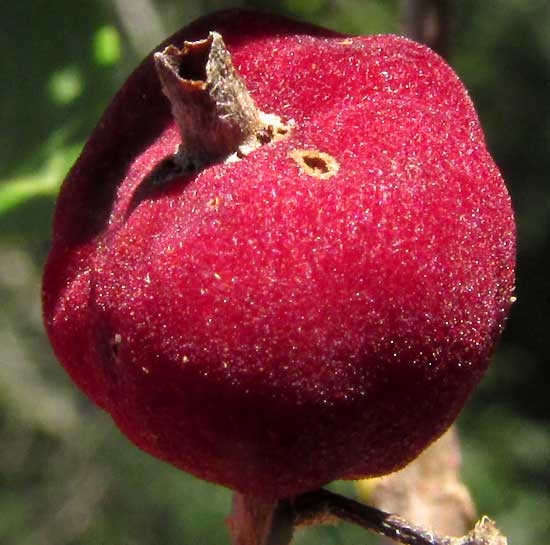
<point>67,476</point>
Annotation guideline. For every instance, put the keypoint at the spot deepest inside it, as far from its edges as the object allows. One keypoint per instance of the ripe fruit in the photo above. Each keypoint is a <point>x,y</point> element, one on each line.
<point>317,308</point>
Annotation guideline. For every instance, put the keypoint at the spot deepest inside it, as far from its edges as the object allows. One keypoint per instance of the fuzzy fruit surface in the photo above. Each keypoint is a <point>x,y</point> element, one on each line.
<point>266,328</point>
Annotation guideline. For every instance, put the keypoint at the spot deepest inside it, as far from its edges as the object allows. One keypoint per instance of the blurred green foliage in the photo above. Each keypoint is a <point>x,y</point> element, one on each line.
<point>67,476</point>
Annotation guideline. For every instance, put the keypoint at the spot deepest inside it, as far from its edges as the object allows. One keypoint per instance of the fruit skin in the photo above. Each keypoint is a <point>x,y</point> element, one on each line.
<point>266,329</point>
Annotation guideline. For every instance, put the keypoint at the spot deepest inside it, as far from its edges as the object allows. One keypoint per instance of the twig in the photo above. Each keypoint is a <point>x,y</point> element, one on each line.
<point>428,22</point>
<point>254,523</point>
<point>141,21</point>
<point>317,506</point>
<point>314,506</point>
<point>282,524</point>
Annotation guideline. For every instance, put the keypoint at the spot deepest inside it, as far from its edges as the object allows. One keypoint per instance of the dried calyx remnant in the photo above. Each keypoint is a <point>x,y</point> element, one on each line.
<point>214,111</point>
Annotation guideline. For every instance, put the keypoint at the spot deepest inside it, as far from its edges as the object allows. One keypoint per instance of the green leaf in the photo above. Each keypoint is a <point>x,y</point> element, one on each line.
<point>43,182</point>
<point>65,85</point>
<point>106,46</point>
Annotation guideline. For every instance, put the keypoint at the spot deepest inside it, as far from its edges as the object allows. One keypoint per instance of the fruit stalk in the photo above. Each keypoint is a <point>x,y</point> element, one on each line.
<point>210,103</point>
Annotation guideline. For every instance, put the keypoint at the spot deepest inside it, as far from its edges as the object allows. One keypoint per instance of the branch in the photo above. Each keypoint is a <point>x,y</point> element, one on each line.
<point>313,507</point>
<point>428,491</point>
<point>251,524</point>
<point>428,22</point>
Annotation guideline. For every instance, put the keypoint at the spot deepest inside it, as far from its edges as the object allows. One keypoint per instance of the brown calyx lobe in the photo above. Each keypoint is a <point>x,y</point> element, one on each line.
<point>217,118</point>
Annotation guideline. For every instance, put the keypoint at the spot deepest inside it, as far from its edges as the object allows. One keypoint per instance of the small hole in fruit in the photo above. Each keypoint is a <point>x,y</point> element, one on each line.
<point>318,164</point>
<point>315,163</point>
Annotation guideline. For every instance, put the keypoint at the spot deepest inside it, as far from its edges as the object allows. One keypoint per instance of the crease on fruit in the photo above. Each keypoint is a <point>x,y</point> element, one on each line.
<point>315,163</point>
<point>115,344</point>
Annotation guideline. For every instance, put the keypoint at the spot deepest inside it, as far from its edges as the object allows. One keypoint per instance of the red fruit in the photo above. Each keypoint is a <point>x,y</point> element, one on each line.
<point>319,309</point>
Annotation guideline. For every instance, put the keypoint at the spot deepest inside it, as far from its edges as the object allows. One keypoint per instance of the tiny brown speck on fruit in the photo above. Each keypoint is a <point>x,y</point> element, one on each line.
<point>273,129</point>
<point>214,203</point>
<point>315,163</point>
